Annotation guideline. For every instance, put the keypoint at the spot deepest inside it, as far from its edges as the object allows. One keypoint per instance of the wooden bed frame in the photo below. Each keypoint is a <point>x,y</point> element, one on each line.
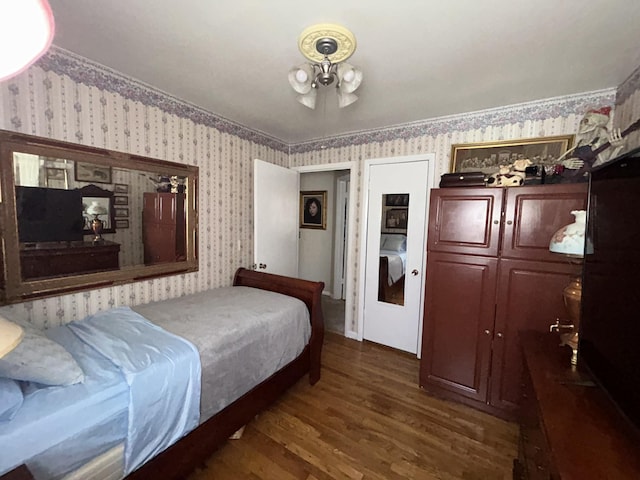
<point>179,460</point>
<point>385,291</point>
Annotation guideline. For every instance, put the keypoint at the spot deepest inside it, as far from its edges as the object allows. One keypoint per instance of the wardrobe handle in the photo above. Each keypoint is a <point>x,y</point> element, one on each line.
<point>496,222</point>
<point>509,222</point>
<point>487,332</point>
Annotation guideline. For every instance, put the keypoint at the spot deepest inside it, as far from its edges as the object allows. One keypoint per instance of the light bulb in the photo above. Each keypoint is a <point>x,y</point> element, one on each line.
<point>301,76</point>
<point>349,75</point>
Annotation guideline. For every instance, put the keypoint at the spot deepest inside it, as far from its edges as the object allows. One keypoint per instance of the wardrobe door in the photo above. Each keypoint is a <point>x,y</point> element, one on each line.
<point>529,298</point>
<point>458,324</point>
<point>465,220</point>
<point>533,214</point>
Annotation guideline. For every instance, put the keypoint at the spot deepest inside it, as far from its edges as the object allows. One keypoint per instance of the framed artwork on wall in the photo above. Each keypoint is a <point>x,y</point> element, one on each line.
<point>489,156</point>
<point>396,218</point>
<point>313,212</point>
<point>90,172</point>
<point>120,200</point>
<point>121,212</point>
<point>120,188</point>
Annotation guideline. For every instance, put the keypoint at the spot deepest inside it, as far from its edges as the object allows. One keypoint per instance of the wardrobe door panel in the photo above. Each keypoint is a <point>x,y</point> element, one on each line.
<point>465,220</point>
<point>533,214</point>
<point>529,298</point>
<point>458,324</point>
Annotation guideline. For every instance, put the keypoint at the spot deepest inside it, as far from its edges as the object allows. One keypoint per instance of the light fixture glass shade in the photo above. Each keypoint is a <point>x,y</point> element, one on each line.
<point>308,100</point>
<point>350,77</point>
<point>297,73</point>
<point>96,209</point>
<point>26,32</point>
<point>570,239</point>
<point>10,336</point>
<point>345,99</point>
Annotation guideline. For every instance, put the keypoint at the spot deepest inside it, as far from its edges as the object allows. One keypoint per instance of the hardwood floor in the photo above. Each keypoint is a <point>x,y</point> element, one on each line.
<point>366,419</point>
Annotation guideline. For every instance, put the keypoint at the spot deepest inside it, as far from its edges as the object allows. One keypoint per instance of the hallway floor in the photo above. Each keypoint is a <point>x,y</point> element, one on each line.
<point>333,312</point>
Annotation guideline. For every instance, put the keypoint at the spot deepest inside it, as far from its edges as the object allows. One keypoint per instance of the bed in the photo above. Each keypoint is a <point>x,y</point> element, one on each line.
<point>393,262</point>
<point>213,397</point>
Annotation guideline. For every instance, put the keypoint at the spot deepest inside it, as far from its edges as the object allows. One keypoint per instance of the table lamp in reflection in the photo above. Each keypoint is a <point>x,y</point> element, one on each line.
<point>96,224</point>
<point>570,242</point>
<point>10,336</point>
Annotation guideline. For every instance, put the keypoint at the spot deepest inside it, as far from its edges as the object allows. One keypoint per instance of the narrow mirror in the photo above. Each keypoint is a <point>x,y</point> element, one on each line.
<point>393,248</point>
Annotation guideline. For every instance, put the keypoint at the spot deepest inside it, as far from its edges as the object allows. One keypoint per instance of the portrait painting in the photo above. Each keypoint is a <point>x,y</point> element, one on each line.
<point>313,212</point>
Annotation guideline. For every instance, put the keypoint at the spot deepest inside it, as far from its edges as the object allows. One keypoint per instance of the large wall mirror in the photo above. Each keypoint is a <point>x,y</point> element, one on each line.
<point>74,217</point>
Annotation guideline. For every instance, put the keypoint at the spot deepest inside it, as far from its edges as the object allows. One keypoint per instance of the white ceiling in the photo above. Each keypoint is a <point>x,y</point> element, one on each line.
<point>421,58</point>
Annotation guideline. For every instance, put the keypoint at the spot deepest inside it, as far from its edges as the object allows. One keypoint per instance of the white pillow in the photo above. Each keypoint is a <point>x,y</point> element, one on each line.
<point>41,360</point>
<point>393,242</point>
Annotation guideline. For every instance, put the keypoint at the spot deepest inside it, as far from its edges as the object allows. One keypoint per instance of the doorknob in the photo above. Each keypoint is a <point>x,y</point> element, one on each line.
<point>414,272</point>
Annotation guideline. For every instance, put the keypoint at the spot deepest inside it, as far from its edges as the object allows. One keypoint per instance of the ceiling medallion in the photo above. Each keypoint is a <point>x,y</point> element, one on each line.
<point>343,38</point>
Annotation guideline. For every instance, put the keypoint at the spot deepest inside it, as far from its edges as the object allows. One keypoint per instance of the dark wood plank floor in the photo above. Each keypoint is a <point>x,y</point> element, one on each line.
<point>366,419</point>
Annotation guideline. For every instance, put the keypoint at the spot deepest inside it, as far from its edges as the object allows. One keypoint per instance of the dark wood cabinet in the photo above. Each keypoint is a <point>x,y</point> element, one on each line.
<point>41,260</point>
<point>164,227</point>
<point>490,274</point>
<point>569,429</point>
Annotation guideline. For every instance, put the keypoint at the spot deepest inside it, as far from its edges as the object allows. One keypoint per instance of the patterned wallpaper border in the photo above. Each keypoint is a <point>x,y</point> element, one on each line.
<point>90,73</point>
<point>628,87</point>
<point>93,74</point>
<point>496,117</point>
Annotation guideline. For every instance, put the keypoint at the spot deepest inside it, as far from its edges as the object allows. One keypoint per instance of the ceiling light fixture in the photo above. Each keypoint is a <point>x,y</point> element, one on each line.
<point>26,32</point>
<point>327,46</point>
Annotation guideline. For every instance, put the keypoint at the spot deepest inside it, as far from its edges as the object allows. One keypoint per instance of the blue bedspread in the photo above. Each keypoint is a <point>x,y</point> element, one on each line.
<point>142,385</point>
<point>164,383</point>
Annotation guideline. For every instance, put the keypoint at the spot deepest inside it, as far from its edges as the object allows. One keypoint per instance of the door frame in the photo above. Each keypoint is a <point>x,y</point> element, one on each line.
<point>341,232</point>
<point>349,300</point>
<point>430,158</point>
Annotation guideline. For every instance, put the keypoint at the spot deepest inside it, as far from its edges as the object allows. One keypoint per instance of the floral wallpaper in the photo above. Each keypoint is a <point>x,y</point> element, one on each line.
<point>71,98</point>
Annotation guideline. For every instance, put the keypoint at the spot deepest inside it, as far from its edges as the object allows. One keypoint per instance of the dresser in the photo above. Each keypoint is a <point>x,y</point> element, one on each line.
<point>569,429</point>
<point>52,259</point>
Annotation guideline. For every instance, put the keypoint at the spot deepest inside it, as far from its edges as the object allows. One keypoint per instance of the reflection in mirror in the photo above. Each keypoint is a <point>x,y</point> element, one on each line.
<point>90,217</point>
<point>393,248</point>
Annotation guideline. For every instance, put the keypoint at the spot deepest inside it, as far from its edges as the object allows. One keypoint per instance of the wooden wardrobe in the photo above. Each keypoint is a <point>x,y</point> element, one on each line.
<point>490,275</point>
<point>163,227</point>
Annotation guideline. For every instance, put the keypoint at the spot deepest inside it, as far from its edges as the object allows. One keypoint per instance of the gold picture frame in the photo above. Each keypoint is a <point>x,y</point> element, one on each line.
<point>313,209</point>
<point>487,157</point>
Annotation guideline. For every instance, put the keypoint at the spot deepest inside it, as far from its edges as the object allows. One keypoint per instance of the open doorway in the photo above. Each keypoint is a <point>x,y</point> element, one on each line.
<point>324,249</point>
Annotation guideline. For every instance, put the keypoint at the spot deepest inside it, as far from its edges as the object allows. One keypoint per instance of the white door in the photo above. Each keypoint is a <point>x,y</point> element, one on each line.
<point>396,208</point>
<point>275,218</point>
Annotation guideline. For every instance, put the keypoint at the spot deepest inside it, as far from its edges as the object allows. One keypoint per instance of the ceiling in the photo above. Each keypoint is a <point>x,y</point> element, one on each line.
<point>421,58</point>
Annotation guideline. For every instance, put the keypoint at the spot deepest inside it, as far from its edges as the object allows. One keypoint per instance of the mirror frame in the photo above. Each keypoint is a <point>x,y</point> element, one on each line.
<point>13,289</point>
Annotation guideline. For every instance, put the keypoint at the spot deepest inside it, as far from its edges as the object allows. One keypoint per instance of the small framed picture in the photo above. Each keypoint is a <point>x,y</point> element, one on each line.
<point>313,213</point>
<point>122,223</point>
<point>397,199</point>
<point>121,212</point>
<point>90,172</point>
<point>56,173</point>
<point>120,200</point>
<point>120,188</point>
<point>396,218</point>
